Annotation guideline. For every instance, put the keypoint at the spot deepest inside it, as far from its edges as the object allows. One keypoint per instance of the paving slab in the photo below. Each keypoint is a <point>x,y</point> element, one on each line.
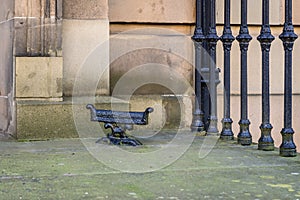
<point>67,169</point>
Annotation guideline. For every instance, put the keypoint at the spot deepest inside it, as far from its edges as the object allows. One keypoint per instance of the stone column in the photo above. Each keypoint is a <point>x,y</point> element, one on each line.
<point>38,49</point>
<point>6,68</point>
<point>85,33</point>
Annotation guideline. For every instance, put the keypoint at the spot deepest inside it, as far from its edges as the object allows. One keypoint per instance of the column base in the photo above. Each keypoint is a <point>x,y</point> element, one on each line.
<point>244,136</point>
<point>266,142</point>
<point>288,147</point>
<point>213,126</point>
<point>227,133</point>
<point>197,124</point>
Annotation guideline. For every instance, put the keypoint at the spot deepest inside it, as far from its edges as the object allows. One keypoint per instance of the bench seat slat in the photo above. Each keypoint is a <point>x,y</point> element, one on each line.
<point>117,120</point>
<point>119,114</point>
<point>119,117</point>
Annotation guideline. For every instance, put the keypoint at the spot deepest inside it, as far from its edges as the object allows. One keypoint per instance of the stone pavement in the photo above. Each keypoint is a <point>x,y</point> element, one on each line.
<point>65,169</point>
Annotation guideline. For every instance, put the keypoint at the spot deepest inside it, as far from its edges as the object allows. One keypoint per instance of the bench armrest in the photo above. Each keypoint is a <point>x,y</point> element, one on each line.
<point>146,113</point>
<point>93,112</point>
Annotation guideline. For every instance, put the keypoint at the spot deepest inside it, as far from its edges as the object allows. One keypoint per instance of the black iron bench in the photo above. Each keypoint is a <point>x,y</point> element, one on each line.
<point>119,122</point>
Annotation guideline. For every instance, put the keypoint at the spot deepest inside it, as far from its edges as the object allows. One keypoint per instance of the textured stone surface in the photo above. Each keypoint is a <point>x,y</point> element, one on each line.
<point>6,66</point>
<point>254,12</point>
<point>166,11</point>
<point>296,14</point>
<point>38,28</point>
<point>86,57</point>
<point>39,77</point>
<point>28,8</point>
<point>5,115</point>
<point>67,119</point>
<point>152,60</point>
<point>82,9</point>
<point>170,11</point>
<point>42,120</point>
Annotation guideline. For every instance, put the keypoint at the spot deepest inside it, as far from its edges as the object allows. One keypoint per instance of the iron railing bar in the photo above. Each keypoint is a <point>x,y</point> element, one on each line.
<point>244,136</point>
<point>212,39</point>
<point>227,39</point>
<point>206,104</point>
<point>288,36</point>
<point>198,37</point>
<point>265,38</point>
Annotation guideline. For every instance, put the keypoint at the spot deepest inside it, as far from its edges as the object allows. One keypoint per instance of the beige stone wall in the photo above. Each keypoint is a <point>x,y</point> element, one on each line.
<point>6,68</point>
<point>43,28</point>
<point>179,11</point>
<point>39,78</point>
<point>179,16</point>
<point>152,11</point>
<point>38,50</point>
<point>38,28</point>
<point>85,47</point>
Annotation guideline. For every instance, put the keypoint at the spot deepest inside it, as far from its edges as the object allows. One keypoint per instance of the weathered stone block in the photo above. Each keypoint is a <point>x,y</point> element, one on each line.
<point>6,58</point>
<point>67,119</point>
<point>296,15</point>
<point>82,9</point>
<point>86,57</point>
<point>154,11</point>
<point>254,12</point>
<point>155,61</point>
<point>28,8</point>
<point>6,69</point>
<point>39,77</point>
<point>5,115</point>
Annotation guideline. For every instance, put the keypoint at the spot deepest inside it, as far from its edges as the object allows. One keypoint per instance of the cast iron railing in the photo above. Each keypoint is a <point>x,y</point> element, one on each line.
<point>205,40</point>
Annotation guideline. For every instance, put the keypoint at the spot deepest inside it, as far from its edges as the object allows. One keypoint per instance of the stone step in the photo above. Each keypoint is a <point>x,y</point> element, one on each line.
<point>41,120</point>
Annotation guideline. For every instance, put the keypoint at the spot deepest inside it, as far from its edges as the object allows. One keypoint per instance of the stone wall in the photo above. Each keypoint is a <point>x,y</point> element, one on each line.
<point>85,47</point>
<point>128,16</point>
<point>38,49</point>
<point>6,67</point>
<point>179,16</point>
<point>74,36</point>
<point>66,32</point>
<point>38,27</point>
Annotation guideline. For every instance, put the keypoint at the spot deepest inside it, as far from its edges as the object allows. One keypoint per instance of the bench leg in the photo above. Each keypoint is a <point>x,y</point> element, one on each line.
<point>119,137</point>
<point>124,141</point>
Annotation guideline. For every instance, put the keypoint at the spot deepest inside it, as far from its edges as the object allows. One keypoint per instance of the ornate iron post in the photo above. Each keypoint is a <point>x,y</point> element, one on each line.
<point>212,39</point>
<point>198,37</point>
<point>288,36</point>
<point>244,136</point>
<point>265,38</point>
<point>227,39</point>
<point>206,104</point>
